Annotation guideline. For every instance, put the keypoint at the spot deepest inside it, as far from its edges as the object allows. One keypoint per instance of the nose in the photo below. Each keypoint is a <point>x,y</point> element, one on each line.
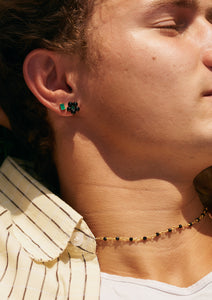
<point>207,58</point>
<point>206,44</point>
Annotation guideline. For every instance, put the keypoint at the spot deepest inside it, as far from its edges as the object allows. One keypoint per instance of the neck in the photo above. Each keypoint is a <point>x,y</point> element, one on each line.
<point>114,206</point>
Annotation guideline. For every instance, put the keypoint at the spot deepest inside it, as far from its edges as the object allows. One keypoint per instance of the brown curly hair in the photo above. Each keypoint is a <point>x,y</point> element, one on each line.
<point>57,25</point>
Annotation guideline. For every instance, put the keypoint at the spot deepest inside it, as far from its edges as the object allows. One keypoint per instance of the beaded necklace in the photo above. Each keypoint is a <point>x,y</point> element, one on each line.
<point>158,234</point>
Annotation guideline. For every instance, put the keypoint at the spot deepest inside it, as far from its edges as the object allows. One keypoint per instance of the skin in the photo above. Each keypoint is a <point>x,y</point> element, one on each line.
<point>127,160</point>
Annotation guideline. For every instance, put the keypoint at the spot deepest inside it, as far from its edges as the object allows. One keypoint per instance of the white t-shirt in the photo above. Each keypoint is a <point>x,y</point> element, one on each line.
<point>124,288</point>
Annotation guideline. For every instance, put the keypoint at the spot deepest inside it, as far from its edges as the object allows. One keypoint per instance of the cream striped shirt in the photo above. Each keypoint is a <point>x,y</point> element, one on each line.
<point>46,249</point>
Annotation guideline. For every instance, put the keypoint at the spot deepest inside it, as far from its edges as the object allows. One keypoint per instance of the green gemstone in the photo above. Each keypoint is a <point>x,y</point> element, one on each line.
<point>62,107</point>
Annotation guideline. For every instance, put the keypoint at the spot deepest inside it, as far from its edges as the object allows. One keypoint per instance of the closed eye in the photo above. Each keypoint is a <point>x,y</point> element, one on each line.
<point>170,27</point>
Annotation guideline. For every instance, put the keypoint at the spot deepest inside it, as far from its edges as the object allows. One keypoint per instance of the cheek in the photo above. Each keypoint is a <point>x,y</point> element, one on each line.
<point>159,61</point>
<point>146,68</point>
<point>142,84</point>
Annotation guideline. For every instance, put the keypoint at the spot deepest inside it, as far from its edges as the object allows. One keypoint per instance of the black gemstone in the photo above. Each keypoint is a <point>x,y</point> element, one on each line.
<point>197,220</point>
<point>203,214</point>
<point>71,110</point>
<point>157,234</point>
<point>169,230</point>
<point>190,224</point>
<point>105,239</point>
<point>180,226</point>
<point>131,239</point>
<point>73,107</point>
<point>144,238</point>
<point>117,238</point>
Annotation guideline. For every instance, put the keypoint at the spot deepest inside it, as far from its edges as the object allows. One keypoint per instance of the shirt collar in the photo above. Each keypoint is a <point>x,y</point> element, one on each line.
<point>43,223</point>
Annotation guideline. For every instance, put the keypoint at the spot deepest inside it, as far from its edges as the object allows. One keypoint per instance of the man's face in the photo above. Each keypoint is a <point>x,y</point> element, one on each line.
<point>152,83</point>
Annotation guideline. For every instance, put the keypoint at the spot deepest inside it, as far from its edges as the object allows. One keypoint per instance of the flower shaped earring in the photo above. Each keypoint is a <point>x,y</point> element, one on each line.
<point>73,107</point>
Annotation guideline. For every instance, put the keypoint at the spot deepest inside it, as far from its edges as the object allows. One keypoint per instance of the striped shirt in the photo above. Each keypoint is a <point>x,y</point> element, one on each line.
<point>46,249</point>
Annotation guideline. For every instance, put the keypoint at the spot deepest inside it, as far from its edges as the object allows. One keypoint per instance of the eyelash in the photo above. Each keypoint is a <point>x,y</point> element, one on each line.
<point>168,27</point>
<point>175,27</point>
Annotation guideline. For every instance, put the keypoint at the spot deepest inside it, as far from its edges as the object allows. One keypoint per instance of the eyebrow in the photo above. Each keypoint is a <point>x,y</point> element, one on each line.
<point>193,4</point>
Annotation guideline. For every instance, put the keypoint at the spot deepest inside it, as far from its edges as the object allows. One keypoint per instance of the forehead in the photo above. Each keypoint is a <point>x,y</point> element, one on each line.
<point>106,10</point>
<point>152,3</point>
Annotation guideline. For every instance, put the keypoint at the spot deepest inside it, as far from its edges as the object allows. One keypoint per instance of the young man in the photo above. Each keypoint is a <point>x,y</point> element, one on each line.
<point>128,98</point>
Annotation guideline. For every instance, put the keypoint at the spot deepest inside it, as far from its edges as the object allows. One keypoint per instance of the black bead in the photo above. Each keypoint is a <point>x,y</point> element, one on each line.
<point>190,224</point>
<point>144,238</point>
<point>131,239</point>
<point>117,238</point>
<point>71,110</point>
<point>157,234</point>
<point>105,239</point>
<point>169,230</point>
<point>197,220</point>
<point>180,226</point>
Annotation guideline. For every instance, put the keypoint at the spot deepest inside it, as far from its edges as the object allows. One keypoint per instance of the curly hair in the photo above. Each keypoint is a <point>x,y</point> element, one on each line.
<point>57,25</point>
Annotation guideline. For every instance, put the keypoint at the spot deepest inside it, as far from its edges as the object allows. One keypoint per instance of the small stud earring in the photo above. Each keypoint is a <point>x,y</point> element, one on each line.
<point>73,107</point>
<point>62,107</point>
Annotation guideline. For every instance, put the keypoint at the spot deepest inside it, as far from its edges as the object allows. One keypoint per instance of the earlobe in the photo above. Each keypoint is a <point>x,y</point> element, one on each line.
<point>45,74</point>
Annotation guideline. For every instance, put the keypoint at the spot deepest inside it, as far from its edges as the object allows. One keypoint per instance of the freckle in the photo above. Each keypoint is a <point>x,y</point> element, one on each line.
<point>153,58</point>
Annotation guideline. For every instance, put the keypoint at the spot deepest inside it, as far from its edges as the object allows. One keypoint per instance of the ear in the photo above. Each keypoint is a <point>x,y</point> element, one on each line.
<point>51,77</point>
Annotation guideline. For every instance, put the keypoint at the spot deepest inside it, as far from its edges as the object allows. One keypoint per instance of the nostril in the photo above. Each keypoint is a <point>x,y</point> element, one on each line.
<point>207,94</point>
